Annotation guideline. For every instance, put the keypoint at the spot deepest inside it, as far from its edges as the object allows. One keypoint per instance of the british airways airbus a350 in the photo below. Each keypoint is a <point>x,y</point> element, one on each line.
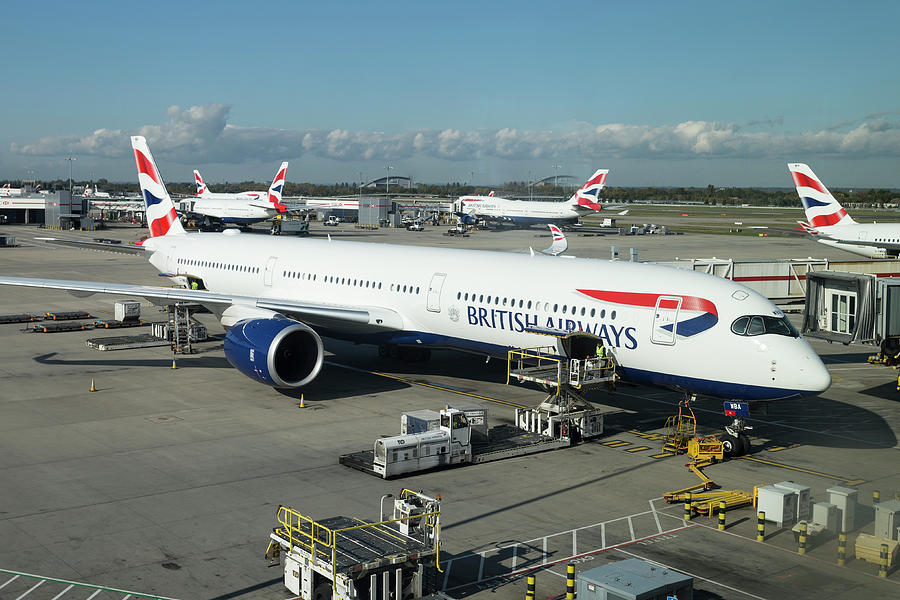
<point>278,298</point>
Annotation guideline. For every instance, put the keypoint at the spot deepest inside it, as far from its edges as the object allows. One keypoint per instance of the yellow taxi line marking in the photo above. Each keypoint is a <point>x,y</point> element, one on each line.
<point>428,385</point>
<point>616,443</point>
<point>638,449</point>
<point>802,470</point>
<point>661,455</point>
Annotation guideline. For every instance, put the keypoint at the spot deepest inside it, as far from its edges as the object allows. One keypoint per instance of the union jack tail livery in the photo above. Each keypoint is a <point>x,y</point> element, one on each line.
<point>560,244</point>
<point>161,215</point>
<point>588,195</point>
<point>276,188</point>
<point>822,210</point>
<point>202,190</point>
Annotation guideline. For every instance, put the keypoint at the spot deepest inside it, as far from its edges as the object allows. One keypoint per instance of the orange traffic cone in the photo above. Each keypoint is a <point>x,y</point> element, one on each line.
<point>302,405</point>
<point>93,388</point>
<point>174,366</point>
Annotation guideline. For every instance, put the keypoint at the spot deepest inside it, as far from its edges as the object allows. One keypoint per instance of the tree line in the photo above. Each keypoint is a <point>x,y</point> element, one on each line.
<point>709,195</point>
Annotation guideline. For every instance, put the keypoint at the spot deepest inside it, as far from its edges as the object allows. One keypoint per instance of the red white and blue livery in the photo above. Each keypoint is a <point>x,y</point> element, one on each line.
<point>241,208</point>
<point>829,223</point>
<point>493,208</point>
<point>279,297</point>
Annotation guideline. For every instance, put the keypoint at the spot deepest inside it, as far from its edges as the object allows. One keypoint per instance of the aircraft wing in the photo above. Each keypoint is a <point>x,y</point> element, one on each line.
<point>321,314</point>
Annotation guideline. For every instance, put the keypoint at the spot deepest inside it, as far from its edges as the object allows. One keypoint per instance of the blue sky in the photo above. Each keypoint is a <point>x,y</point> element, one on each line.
<point>662,93</point>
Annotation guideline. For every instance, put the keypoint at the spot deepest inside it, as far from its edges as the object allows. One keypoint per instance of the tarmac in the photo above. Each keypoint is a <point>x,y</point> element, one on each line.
<point>166,481</point>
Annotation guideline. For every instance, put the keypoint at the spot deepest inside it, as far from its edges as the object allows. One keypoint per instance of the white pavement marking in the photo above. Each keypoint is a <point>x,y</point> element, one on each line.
<point>631,528</point>
<point>94,594</point>
<point>712,581</point>
<point>9,582</point>
<point>655,516</point>
<point>34,587</point>
<point>60,595</point>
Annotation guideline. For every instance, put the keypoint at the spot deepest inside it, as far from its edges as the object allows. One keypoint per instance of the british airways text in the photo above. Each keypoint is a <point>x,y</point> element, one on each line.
<point>493,318</point>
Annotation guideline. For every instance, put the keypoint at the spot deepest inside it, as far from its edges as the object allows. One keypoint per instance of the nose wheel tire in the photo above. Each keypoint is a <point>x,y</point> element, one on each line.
<point>731,445</point>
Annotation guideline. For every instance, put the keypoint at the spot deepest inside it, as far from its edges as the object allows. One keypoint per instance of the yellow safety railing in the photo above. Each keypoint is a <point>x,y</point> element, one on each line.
<point>544,355</point>
<point>321,541</point>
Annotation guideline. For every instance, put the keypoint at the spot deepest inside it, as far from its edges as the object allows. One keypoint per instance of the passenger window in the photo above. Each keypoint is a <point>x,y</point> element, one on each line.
<point>593,311</point>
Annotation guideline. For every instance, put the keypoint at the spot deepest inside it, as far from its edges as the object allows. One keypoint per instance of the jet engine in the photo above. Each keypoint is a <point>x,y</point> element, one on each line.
<point>279,352</point>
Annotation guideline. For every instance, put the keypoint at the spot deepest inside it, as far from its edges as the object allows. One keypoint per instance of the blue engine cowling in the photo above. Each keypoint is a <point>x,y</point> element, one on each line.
<point>279,352</point>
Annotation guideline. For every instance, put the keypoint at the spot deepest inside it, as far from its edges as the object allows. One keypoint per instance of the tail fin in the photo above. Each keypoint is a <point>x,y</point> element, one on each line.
<point>202,190</point>
<point>491,195</point>
<point>161,213</point>
<point>276,188</point>
<point>87,190</point>
<point>588,195</point>
<point>822,210</point>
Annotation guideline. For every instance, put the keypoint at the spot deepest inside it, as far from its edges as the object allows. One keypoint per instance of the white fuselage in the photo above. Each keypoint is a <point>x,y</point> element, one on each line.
<point>6,192</point>
<point>242,209</point>
<point>844,236</point>
<point>522,212</point>
<point>484,301</point>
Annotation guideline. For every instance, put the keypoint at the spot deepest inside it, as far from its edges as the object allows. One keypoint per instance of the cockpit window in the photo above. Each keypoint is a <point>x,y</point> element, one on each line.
<point>763,324</point>
<point>740,325</point>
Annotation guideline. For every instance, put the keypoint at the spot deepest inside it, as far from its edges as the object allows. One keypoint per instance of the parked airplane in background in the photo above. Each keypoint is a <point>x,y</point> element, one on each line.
<point>6,191</point>
<point>829,223</point>
<point>583,202</point>
<point>242,208</point>
<point>88,193</point>
<point>681,329</point>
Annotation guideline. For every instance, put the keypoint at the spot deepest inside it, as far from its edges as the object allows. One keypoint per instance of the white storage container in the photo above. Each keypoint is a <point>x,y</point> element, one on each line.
<point>802,506</point>
<point>419,421</point>
<point>846,500</point>
<point>777,503</point>
<point>127,310</point>
<point>887,519</point>
<point>826,514</point>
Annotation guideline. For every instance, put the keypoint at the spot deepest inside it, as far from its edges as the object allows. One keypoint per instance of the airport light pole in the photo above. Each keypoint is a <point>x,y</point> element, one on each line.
<point>387,180</point>
<point>70,159</point>
<point>556,175</point>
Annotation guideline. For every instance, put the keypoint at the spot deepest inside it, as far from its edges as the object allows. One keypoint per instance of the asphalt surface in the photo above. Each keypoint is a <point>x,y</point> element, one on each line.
<point>167,481</point>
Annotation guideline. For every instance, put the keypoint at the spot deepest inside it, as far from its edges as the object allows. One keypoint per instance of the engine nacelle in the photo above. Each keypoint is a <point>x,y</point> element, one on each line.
<point>279,352</point>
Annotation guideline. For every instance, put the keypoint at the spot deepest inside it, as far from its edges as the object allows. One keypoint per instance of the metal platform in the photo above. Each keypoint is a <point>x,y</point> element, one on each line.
<point>357,543</point>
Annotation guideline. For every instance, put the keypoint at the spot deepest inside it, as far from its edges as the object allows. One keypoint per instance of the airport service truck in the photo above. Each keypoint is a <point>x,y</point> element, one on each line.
<point>456,436</point>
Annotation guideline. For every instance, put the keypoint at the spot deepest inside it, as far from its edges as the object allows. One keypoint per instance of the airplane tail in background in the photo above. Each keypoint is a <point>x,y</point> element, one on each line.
<point>161,215</point>
<point>588,195</point>
<point>276,188</point>
<point>822,209</point>
<point>202,190</point>
<point>87,191</point>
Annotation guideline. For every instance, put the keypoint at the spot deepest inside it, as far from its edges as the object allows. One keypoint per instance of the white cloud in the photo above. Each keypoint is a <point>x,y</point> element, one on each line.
<point>202,134</point>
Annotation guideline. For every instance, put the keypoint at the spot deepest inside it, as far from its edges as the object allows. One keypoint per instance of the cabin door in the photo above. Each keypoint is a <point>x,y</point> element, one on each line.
<point>665,320</point>
<point>270,270</point>
<point>434,292</point>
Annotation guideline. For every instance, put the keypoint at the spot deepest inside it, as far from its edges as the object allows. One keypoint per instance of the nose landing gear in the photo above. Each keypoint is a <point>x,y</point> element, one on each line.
<point>734,441</point>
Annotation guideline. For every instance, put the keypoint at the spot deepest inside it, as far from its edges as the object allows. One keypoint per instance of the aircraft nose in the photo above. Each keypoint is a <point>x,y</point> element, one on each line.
<point>815,376</point>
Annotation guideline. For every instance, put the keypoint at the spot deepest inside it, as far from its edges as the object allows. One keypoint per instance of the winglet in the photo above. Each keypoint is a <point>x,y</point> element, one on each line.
<point>560,243</point>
